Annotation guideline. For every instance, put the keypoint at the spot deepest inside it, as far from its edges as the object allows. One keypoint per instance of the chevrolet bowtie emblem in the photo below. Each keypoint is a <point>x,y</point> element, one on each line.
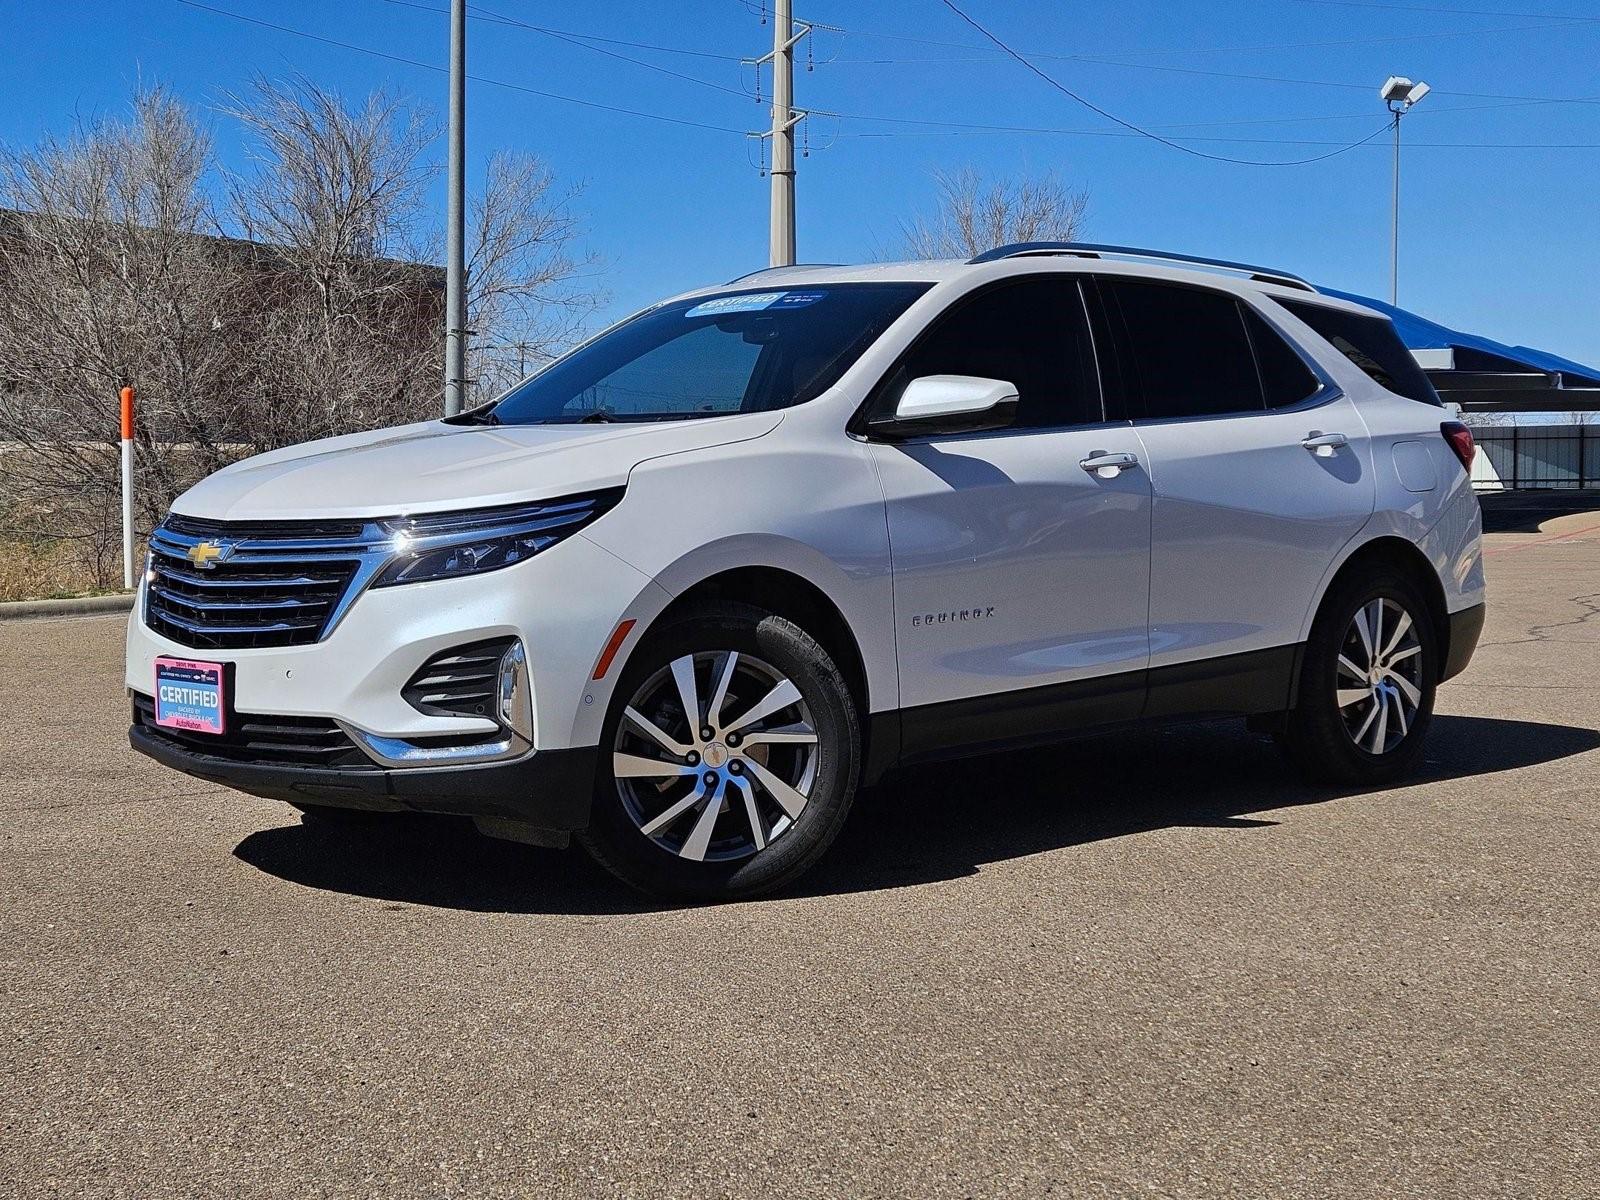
<point>206,555</point>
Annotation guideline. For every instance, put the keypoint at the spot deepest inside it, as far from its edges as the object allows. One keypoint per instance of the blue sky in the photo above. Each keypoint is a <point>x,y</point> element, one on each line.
<point>1500,232</point>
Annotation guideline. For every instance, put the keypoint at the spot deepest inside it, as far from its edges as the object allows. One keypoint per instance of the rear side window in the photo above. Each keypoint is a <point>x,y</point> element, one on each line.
<point>1187,351</point>
<point>1372,344</point>
<point>1285,378</point>
<point>1032,333</point>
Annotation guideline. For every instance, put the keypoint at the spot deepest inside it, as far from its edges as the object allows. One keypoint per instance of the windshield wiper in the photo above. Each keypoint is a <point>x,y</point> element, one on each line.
<point>600,416</point>
<point>476,416</point>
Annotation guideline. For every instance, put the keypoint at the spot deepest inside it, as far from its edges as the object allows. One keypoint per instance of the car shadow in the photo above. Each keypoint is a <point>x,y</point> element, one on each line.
<point>921,826</point>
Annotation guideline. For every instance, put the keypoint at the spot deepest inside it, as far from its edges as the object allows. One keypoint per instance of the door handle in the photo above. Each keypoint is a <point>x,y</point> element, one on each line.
<point>1108,465</point>
<point>1324,445</point>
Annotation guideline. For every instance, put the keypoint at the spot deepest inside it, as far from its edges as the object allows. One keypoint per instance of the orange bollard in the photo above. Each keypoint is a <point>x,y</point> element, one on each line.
<point>127,488</point>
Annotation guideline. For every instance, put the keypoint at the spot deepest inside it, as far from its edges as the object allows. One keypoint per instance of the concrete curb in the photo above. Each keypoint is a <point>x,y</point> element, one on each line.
<point>84,606</point>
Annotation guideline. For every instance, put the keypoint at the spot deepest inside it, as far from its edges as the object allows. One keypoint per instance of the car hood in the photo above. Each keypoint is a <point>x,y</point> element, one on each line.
<point>434,466</point>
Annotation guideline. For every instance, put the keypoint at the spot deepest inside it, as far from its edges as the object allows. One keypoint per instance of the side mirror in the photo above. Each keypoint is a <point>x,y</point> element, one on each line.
<point>950,404</point>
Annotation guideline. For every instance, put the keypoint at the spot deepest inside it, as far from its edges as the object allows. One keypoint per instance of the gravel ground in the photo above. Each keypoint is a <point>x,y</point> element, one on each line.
<point>1145,964</point>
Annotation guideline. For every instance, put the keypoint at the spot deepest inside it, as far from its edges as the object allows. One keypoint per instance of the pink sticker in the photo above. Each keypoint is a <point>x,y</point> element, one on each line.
<point>189,695</point>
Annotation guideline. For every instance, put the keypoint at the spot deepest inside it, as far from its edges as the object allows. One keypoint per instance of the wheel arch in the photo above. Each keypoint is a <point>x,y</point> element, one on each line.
<point>792,597</point>
<point>1402,555</point>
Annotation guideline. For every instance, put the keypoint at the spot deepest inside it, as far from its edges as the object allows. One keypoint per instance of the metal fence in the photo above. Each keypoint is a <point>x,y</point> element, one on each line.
<point>1536,456</point>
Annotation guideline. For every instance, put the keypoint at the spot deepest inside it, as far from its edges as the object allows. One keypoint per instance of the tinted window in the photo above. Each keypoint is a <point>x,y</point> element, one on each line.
<point>1030,332</point>
<point>1186,351</point>
<point>1373,345</point>
<point>1284,375</point>
<point>739,352</point>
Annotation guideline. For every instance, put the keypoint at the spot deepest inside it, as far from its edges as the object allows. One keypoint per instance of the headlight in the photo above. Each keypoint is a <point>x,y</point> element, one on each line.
<point>444,545</point>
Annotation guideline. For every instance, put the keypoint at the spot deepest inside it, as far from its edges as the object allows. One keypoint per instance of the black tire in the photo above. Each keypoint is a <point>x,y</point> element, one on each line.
<point>615,837</point>
<point>1317,738</point>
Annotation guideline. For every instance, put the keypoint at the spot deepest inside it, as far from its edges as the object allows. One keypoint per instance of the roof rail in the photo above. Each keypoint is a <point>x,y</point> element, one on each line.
<point>776,270</point>
<point>1095,250</point>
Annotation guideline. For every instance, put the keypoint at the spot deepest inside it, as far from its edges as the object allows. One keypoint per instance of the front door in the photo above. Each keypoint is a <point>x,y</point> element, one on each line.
<point>1020,577</point>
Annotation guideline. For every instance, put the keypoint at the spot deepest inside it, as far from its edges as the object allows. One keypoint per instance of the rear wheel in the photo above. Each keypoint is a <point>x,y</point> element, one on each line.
<point>729,757</point>
<point>1366,683</point>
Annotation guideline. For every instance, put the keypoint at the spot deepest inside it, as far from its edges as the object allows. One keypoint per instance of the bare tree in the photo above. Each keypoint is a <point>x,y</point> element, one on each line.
<point>527,295</point>
<point>103,282</point>
<point>286,302</point>
<point>331,211</point>
<point>339,207</point>
<point>973,215</point>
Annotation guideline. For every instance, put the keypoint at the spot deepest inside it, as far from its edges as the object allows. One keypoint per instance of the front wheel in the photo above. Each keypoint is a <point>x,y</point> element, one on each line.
<point>1366,683</point>
<point>729,757</point>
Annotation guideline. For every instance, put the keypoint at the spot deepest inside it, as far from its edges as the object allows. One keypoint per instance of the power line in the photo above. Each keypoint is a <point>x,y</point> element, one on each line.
<point>1111,59</point>
<point>1325,44</point>
<point>427,66</point>
<point>1114,133</point>
<point>948,128</point>
<point>1156,137</point>
<point>1325,83</point>
<point>1461,12</point>
<point>964,128</point>
<point>587,37</point>
<point>479,13</point>
<point>1364,116</point>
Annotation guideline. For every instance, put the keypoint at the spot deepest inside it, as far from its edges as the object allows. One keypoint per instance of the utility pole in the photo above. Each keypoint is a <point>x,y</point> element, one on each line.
<point>1399,93</point>
<point>455,302</point>
<point>784,118</point>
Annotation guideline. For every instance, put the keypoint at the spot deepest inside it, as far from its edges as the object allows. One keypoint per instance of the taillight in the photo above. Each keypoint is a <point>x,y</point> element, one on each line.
<point>1460,439</point>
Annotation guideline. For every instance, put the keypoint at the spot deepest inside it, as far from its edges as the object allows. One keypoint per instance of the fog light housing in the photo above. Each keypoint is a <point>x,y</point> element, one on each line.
<point>485,680</point>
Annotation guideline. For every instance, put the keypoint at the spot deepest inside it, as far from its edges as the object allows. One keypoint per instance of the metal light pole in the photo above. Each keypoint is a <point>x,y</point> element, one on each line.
<point>455,301</point>
<point>1399,94</point>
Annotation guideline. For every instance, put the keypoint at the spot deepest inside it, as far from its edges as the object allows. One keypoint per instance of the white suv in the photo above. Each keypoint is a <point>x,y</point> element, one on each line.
<point>683,591</point>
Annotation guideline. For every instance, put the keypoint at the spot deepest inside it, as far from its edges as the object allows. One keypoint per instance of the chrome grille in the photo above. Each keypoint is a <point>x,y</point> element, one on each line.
<point>263,584</point>
<point>230,585</point>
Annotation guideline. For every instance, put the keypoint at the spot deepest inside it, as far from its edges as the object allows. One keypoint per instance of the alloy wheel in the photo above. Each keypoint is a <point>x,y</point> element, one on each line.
<point>1378,683</point>
<point>715,756</point>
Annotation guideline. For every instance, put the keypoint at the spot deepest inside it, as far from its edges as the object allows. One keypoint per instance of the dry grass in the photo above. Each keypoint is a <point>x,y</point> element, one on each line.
<point>47,570</point>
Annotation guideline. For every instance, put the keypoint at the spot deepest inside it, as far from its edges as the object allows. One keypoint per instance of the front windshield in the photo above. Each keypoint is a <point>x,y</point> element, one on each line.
<point>730,353</point>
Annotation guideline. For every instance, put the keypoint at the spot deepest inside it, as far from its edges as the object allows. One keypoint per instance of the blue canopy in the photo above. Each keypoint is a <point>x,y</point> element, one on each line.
<point>1473,353</point>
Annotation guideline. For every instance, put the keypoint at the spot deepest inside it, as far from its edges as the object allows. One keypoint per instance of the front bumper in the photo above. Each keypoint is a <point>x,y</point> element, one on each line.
<point>562,604</point>
<point>547,789</point>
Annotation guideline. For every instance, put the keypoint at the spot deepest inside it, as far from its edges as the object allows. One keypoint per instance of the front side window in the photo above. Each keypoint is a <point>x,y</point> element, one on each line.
<point>1186,351</point>
<point>709,356</point>
<point>1371,344</point>
<point>1032,333</point>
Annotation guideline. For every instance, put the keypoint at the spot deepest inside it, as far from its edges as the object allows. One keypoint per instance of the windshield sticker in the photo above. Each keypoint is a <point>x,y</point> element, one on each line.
<point>753,302</point>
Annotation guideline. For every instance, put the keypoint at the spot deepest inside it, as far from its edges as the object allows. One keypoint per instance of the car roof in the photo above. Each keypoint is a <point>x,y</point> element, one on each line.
<point>1103,261</point>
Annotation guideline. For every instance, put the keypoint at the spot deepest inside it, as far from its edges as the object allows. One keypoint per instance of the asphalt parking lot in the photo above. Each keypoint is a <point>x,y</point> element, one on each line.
<point>1146,964</point>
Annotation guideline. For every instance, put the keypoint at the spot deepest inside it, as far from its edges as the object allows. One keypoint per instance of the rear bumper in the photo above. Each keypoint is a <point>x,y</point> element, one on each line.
<point>1466,626</point>
<point>549,789</point>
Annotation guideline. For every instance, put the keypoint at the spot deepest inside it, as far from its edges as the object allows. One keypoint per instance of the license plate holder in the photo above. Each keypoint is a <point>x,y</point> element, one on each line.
<point>191,695</point>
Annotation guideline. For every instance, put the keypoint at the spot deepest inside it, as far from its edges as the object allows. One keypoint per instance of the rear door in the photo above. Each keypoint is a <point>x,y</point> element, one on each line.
<point>1020,577</point>
<point>1258,465</point>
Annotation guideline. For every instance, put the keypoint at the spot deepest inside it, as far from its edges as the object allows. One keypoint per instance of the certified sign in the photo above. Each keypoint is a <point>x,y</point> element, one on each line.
<point>189,695</point>
<point>744,302</point>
